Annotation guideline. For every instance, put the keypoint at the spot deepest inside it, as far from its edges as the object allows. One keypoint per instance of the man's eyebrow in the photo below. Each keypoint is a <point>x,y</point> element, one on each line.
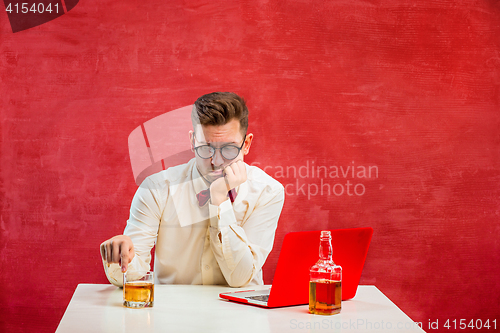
<point>222,143</point>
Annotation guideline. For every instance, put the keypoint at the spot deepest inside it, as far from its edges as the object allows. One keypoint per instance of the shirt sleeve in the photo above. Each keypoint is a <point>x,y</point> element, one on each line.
<point>142,228</point>
<point>242,248</point>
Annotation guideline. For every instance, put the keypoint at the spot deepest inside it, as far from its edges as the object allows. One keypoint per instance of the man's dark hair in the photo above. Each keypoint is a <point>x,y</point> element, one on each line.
<point>219,108</point>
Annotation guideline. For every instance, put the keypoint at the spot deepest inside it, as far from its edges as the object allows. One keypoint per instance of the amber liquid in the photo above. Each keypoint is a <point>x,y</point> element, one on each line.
<point>325,297</point>
<point>138,294</point>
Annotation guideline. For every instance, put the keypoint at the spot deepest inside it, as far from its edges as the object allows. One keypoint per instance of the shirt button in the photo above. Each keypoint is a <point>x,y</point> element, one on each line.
<point>207,267</point>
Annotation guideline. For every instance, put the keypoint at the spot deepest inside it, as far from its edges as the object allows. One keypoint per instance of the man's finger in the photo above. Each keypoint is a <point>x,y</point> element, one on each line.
<point>239,167</point>
<point>109,253</point>
<point>124,256</point>
<point>229,177</point>
<point>228,170</point>
<point>239,172</point>
<point>131,254</point>
<point>226,181</point>
<point>115,248</point>
<point>103,251</point>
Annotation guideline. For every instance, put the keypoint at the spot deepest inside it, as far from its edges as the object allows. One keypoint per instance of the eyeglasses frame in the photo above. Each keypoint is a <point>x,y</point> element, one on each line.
<point>220,148</point>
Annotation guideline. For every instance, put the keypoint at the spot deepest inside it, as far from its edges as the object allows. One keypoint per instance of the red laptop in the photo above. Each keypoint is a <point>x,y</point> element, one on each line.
<point>300,250</point>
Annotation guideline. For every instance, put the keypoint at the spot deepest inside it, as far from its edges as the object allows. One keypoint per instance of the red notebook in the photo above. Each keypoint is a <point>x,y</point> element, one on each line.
<point>300,250</point>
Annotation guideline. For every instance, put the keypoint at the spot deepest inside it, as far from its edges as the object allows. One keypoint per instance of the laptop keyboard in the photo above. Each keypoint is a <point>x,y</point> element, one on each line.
<point>262,298</point>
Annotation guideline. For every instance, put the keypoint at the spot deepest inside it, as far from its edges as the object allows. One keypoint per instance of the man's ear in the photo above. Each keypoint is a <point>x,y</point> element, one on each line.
<point>191,139</point>
<point>248,143</point>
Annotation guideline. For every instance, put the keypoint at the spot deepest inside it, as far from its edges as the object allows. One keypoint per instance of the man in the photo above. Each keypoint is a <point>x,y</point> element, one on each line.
<point>213,219</point>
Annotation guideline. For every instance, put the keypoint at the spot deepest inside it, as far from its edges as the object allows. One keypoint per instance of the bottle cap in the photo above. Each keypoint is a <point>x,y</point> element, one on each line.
<point>325,233</point>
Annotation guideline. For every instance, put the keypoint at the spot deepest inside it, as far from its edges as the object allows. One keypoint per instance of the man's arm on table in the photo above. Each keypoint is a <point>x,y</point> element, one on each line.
<point>142,228</point>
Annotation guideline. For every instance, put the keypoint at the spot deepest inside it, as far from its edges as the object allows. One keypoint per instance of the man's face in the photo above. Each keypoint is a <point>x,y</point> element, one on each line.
<point>218,137</point>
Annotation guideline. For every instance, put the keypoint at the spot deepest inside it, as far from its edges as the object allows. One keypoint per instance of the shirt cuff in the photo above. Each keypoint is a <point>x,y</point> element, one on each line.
<point>222,215</point>
<point>113,273</point>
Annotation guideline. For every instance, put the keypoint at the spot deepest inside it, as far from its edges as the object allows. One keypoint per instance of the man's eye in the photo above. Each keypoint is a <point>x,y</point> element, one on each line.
<point>230,148</point>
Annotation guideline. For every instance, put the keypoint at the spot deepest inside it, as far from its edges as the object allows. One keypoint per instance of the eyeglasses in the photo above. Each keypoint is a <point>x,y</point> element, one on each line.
<point>229,152</point>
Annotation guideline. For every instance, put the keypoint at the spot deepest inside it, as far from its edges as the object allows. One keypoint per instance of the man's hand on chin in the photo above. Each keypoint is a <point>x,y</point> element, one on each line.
<point>234,174</point>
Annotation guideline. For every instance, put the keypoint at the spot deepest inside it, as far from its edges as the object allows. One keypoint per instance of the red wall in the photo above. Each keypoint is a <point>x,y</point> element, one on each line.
<point>409,88</point>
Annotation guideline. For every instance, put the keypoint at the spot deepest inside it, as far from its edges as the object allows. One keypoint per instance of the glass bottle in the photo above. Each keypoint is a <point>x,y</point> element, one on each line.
<point>325,280</point>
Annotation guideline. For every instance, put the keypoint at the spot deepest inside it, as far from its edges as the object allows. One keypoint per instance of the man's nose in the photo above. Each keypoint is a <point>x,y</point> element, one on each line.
<point>217,159</point>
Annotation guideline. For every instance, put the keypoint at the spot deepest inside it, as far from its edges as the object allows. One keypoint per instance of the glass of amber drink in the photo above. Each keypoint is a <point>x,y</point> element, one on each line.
<point>138,289</point>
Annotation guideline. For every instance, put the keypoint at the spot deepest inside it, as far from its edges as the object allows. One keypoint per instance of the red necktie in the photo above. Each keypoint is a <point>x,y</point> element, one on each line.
<point>204,196</point>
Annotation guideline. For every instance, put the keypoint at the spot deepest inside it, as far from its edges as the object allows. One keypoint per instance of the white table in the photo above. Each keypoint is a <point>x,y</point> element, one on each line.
<point>183,308</point>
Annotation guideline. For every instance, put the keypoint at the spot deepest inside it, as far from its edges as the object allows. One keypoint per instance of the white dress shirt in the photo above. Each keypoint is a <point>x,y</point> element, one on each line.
<point>188,250</point>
